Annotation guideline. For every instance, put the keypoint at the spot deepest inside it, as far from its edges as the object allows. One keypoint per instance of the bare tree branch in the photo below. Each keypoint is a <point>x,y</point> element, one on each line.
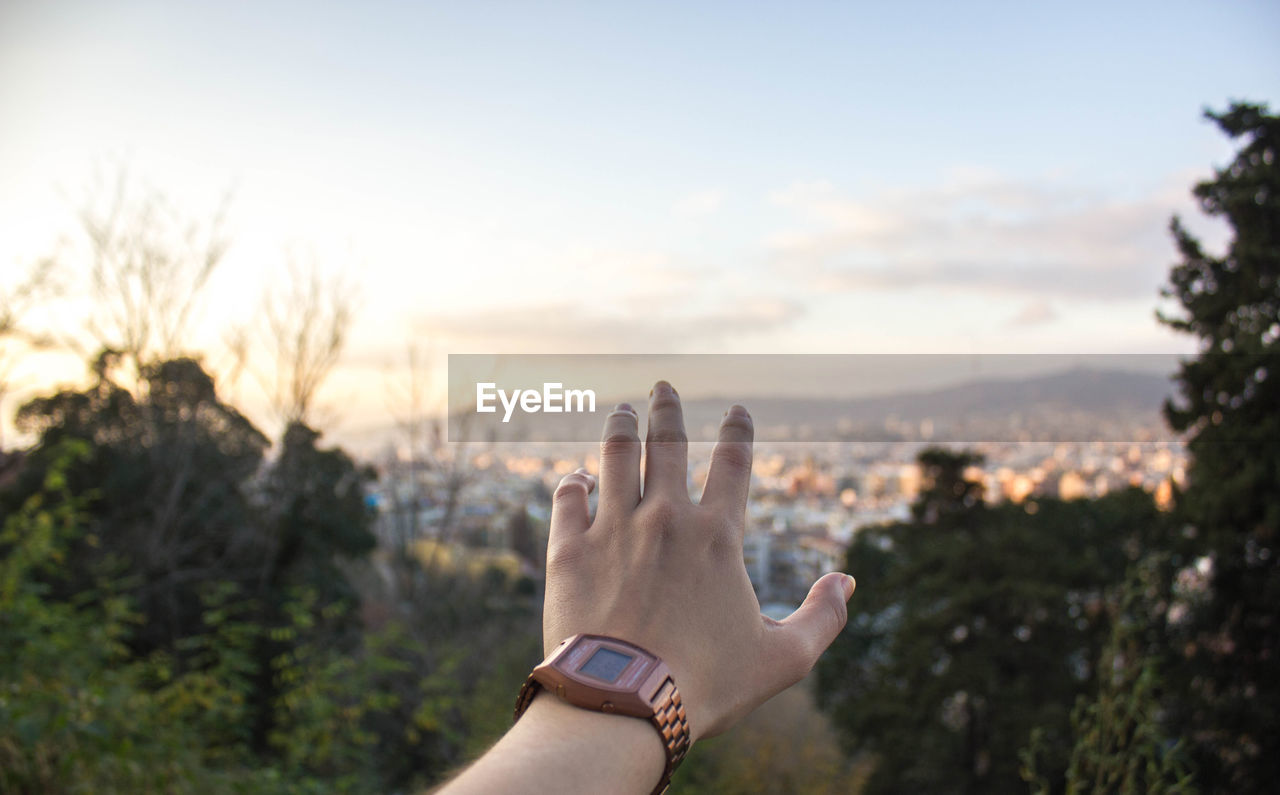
<point>149,267</point>
<point>306,320</point>
<point>17,338</point>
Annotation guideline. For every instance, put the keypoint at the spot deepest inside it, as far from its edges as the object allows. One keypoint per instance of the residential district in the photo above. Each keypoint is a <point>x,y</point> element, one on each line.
<point>486,508</point>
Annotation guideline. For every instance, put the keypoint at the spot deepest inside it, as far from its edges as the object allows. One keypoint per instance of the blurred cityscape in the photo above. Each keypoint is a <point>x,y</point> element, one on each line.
<point>487,506</point>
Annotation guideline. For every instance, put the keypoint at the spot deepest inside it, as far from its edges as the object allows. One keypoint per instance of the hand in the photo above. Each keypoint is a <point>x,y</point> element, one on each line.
<point>665,574</point>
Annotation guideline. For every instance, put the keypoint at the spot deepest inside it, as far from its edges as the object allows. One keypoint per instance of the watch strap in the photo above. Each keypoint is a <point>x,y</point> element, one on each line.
<point>670,721</point>
<point>668,718</point>
<point>527,691</point>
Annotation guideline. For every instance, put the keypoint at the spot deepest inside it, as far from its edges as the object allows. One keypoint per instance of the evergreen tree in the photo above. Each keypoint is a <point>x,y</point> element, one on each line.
<point>1120,745</point>
<point>314,513</point>
<point>976,624</point>
<point>945,488</point>
<point>314,504</point>
<point>168,477</point>
<point>1230,648</point>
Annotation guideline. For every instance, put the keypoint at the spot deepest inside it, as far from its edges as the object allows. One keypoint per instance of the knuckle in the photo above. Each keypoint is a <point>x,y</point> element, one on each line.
<point>837,615</point>
<point>619,443</point>
<point>803,665</point>
<point>723,544</point>
<point>734,456</point>
<point>668,436</point>
<point>720,524</point>
<point>798,663</point>
<point>562,556</point>
<point>659,517</point>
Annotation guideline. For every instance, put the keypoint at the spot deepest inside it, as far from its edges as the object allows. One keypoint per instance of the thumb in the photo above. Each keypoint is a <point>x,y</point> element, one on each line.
<point>810,629</point>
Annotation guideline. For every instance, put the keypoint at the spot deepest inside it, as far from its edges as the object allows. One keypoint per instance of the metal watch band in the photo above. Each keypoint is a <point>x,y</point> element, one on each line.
<point>668,718</point>
<point>527,691</point>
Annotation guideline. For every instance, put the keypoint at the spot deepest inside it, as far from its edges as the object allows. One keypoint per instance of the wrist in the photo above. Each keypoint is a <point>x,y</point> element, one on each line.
<point>604,674</point>
<point>556,747</point>
<point>613,743</point>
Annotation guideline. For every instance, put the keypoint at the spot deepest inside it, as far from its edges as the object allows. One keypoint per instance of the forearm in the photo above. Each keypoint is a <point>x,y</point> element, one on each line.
<point>559,748</point>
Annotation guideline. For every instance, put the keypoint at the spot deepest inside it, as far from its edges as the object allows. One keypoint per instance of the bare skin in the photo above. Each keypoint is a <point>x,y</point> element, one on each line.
<point>654,568</point>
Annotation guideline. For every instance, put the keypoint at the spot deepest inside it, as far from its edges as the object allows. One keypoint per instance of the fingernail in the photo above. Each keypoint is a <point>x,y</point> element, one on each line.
<point>624,407</point>
<point>849,585</point>
<point>737,411</point>
<point>662,388</point>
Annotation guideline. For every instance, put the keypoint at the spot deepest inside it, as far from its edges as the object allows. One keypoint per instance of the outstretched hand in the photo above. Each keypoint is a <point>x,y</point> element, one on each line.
<point>654,568</point>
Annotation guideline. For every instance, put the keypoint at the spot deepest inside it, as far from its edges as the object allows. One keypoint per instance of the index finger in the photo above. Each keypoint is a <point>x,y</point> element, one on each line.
<point>620,459</point>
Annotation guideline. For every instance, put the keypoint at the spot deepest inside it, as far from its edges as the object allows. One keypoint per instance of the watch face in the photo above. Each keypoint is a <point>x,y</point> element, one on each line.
<point>603,673</point>
<point>606,664</point>
<point>595,661</point>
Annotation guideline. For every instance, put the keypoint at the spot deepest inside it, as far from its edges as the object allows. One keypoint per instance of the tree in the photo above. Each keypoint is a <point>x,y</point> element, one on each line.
<point>168,470</point>
<point>1230,647</point>
<point>306,321</point>
<point>784,747</point>
<point>149,266</point>
<point>1120,744</point>
<point>219,647</point>
<point>407,462</point>
<point>945,488</point>
<point>179,612</point>
<point>38,284</point>
<point>82,713</point>
<point>75,716</point>
<point>314,503</point>
<point>313,514</point>
<point>974,625</point>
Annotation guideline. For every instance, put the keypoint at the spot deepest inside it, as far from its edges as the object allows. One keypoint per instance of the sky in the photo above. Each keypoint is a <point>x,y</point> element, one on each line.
<point>644,177</point>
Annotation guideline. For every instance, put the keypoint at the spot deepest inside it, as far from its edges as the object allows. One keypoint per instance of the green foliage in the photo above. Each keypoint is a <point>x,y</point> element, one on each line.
<point>1226,657</point>
<point>973,625</point>
<point>313,501</point>
<point>490,703</point>
<point>786,746</point>
<point>208,687</point>
<point>80,712</point>
<point>169,469</point>
<point>74,713</point>
<point>177,615</point>
<point>1120,745</point>
<point>946,490</point>
<point>312,511</point>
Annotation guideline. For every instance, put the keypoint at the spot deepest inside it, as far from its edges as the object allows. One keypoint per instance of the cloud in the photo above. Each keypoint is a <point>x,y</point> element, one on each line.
<point>1032,238</point>
<point>699,203</point>
<point>1035,313</point>
<point>655,323</point>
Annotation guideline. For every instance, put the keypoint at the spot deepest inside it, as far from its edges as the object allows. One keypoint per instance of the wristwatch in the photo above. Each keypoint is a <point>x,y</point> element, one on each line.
<point>610,675</point>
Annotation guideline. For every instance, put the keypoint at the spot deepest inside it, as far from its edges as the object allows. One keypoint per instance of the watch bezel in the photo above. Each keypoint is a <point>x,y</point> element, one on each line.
<point>631,693</point>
